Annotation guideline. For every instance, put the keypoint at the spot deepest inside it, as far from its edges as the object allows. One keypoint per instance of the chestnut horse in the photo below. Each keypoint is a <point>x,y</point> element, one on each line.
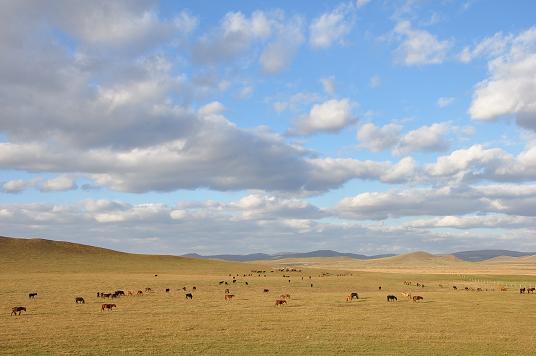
<point>16,310</point>
<point>108,307</point>
<point>229,296</point>
<point>280,302</point>
<point>417,297</point>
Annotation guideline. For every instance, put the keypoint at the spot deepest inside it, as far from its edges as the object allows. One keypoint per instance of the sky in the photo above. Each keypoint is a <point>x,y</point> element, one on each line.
<point>366,126</point>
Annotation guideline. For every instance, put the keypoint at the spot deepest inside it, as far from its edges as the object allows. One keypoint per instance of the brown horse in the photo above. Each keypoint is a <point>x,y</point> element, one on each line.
<point>79,300</point>
<point>417,297</point>
<point>139,293</point>
<point>229,296</point>
<point>32,295</point>
<point>266,290</point>
<point>189,296</point>
<point>108,307</point>
<point>531,290</point>
<point>280,302</point>
<point>16,310</point>
<point>354,295</point>
<point>391,298</point>
<point>521,290</point>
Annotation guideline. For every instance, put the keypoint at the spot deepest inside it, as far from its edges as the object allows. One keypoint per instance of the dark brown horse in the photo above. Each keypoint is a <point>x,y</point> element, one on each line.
<point>531,290</point>
<point>79,300</point>
<point>391,298</point>
<point>266,290</point>
<point>32,295</point>
<point>521,290</point>
<point>108,307</point>
<point>417,297</point>
<point>354,295</point>
<point>189,296</point>
<point>280,302</point>
<point>16,310</point>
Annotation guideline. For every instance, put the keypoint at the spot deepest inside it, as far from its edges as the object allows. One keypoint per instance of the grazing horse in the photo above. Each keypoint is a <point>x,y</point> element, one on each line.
<point>391,298</point>
<point>189,296</point>
<point>167,290</point>
<point>454,287</point>
<point>16,310</point>
<point>32,295</point>
<point>108,307</point>
<point>266,290</point>
<point>139,293</point>
<point>79,300</point>
<point>521,290</point>
<point>280,302</point>
<point>148,289</point>
<point>194,288</point>
<point>354,295</point>
<point>531,290</point>
<point>229,296</point>
<point>417,297</point>
<point>119,293</point>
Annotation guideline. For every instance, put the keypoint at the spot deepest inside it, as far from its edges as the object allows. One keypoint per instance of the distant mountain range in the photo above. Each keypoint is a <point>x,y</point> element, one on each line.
<point>481,255</point>
<point>471,256</point>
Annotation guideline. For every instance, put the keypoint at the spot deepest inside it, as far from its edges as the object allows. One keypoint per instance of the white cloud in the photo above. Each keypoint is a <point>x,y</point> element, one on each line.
<point>331,27</point>
<point>425,139</point>
<point>16,186</point>
<point>511,86</point>
<point>328,84</point>
<point>329,116</point>
<point>60,183</point>
<point>377,139</point>
<point>419,47</point>
<point>279,53</point>
<point>444,101</point>
<point>489,47</point>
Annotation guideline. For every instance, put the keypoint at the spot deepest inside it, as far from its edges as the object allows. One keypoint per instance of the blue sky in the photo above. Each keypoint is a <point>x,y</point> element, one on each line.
<point>266,126</point>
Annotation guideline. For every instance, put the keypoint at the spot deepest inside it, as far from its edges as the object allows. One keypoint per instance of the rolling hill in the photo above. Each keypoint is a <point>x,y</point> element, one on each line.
<point>41,255</point>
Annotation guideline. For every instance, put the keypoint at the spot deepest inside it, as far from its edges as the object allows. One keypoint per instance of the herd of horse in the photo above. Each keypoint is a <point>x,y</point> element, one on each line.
<point>280,301</point>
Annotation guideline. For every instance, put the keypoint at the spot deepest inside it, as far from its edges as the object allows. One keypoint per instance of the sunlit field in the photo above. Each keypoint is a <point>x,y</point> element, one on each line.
<point>316,320</point>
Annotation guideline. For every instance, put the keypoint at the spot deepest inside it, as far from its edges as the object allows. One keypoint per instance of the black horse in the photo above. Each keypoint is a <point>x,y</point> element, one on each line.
<point>391,298</point>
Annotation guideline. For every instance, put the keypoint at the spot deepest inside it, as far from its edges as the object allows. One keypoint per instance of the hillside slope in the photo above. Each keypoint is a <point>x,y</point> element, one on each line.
<point>40,255</point>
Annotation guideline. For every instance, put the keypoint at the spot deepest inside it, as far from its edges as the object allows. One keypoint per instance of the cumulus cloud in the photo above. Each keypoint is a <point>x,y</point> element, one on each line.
<point>419,47</point>
<point>16,186</point>
<point>60,183</point>
<point>329,116</point>
<point>377,139</point>
<point>424,139</point>
<point>331,27</point>
<point>217,227</point>
<point>510,89</point>
<point>235,34</point>
<point>444,201</point>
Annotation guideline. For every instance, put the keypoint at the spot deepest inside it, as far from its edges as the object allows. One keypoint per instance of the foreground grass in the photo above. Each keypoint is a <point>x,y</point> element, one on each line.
<point>316,321</point>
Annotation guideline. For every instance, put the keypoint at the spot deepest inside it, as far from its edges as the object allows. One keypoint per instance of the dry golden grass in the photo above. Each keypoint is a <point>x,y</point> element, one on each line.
<point>316,320</point>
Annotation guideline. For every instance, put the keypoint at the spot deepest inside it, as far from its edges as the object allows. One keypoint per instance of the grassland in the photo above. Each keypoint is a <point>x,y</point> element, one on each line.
<point>317,320</point>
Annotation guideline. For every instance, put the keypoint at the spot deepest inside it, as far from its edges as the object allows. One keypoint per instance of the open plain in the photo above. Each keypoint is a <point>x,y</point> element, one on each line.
<point>315,320</point>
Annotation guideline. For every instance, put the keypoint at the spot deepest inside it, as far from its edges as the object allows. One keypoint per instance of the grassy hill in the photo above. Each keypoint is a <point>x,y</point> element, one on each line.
<point>40,255</point>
